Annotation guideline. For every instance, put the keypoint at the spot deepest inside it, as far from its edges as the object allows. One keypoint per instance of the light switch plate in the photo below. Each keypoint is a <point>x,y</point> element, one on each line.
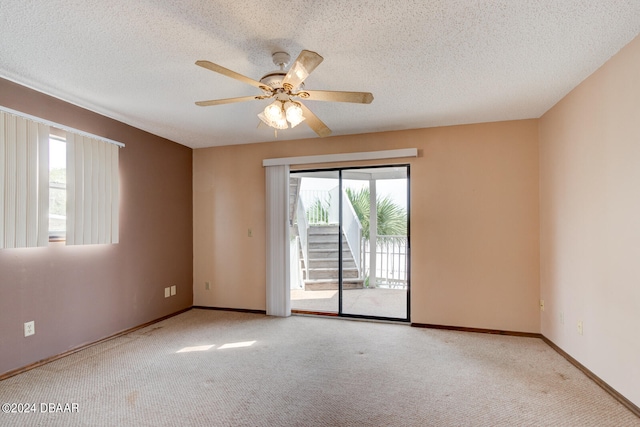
<point>580,330</point>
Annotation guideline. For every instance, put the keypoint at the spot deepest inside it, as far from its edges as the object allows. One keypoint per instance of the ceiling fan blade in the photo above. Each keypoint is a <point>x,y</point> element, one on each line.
<point>227,72</point>
<point>328,95</point>
<point>314,122</point>
<point>226,101</point>
<point>307,62</point>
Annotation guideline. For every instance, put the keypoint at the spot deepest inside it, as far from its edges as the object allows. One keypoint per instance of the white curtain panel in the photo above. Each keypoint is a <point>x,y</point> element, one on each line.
<point>92,191</point>
<point>24,182</point>
<point>277,200</point>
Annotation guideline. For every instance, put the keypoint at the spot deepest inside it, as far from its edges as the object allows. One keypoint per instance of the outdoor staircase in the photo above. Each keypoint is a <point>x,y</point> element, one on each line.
<point>323,261</point>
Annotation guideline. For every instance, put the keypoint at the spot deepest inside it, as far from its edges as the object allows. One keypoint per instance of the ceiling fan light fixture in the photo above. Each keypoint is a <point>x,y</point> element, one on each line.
<point>276,124</point>
<point>274,112</point>
<point>293,110</point>
<point>281,124</point>
<point>293,113</point>
<point>296,122</point>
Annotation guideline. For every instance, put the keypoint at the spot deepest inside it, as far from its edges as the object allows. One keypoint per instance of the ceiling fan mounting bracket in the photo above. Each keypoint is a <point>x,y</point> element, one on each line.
<point>281,59</point>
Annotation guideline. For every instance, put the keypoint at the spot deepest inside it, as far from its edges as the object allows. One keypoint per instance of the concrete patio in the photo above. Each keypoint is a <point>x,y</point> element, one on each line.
<point>378,302</point>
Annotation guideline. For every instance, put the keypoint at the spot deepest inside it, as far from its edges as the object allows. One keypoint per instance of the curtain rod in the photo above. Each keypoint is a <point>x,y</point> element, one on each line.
<point>59,126</point>
<point>344,157</point>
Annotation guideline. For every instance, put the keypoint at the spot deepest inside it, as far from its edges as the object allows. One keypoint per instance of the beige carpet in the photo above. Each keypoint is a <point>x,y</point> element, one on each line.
<point>255,370</point>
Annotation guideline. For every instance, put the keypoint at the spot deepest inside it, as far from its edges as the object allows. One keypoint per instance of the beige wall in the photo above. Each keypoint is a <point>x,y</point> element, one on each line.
<point>590,222</point>
<point>474,221</point>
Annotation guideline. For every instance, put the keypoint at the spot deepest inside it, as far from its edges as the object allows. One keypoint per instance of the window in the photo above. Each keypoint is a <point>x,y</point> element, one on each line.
<point>57,184</point>
<point>83,193</point>
<point>57,188</point>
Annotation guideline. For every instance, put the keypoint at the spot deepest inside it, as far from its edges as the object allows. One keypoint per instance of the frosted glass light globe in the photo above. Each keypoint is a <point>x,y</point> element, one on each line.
<point>273,111</point>
<point>294,114</point>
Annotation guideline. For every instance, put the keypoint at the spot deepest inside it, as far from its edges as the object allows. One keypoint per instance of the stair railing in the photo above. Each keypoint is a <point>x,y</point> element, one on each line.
<point>351,227</point>
<point>352,230</point>
<point>303,233</point>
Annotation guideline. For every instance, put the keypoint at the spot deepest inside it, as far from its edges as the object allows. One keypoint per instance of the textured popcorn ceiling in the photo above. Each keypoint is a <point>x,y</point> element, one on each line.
<point>427,63</point>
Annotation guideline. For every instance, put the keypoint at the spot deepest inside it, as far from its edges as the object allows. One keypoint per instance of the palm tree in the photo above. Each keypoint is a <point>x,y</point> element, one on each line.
<point>392,219</point>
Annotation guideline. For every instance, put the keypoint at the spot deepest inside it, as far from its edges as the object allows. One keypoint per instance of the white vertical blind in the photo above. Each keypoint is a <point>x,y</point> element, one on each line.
<point>113,188</point>
<point>92,191</point>
<point>11,185</point>
<point>24,182</point>
<point>43,185</point>
<point>22,189</point>
<point>277,200</point>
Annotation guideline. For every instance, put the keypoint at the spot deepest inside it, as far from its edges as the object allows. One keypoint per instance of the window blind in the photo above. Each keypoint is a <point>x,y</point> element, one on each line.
<point>24,182</point>
<point>277,200</point>
<point>92,191</point>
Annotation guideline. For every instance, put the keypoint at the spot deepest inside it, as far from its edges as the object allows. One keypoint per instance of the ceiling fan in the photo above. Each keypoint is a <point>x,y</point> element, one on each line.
<point>284,87</point>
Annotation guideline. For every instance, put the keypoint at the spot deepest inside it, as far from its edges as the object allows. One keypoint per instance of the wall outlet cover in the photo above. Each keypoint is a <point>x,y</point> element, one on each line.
<point>167,292</point>
<point>173,290</point>
<point>29,328</point>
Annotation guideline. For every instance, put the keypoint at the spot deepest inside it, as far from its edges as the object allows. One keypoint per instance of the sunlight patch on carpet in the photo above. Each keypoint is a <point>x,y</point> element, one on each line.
<point>195,348</point>
<point>237,345</point>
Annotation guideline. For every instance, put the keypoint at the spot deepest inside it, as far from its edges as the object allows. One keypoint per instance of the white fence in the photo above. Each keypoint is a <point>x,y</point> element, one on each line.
<point>391,261</point>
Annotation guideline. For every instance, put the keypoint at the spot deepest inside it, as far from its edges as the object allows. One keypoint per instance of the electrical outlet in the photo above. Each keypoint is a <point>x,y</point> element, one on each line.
<point>249,233</point>
<point>580,327</point>
<point>541,305</point>
<point>207,286</point>
<point>167,292</point>
<point>173,290</point>
<point>29,328</point>
<point>562,317</point>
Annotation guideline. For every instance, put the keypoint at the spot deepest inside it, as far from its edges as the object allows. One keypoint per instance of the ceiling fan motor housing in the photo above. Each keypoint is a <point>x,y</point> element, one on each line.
<point>274,79</point>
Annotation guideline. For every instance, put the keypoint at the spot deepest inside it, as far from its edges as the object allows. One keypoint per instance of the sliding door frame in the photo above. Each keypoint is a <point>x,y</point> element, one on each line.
<point>340,313</point>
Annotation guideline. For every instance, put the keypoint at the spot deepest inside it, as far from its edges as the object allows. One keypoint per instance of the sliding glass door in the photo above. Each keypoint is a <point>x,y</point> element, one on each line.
<point>350,245</point>
<point>377,199</point>
<point>315,262</point>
